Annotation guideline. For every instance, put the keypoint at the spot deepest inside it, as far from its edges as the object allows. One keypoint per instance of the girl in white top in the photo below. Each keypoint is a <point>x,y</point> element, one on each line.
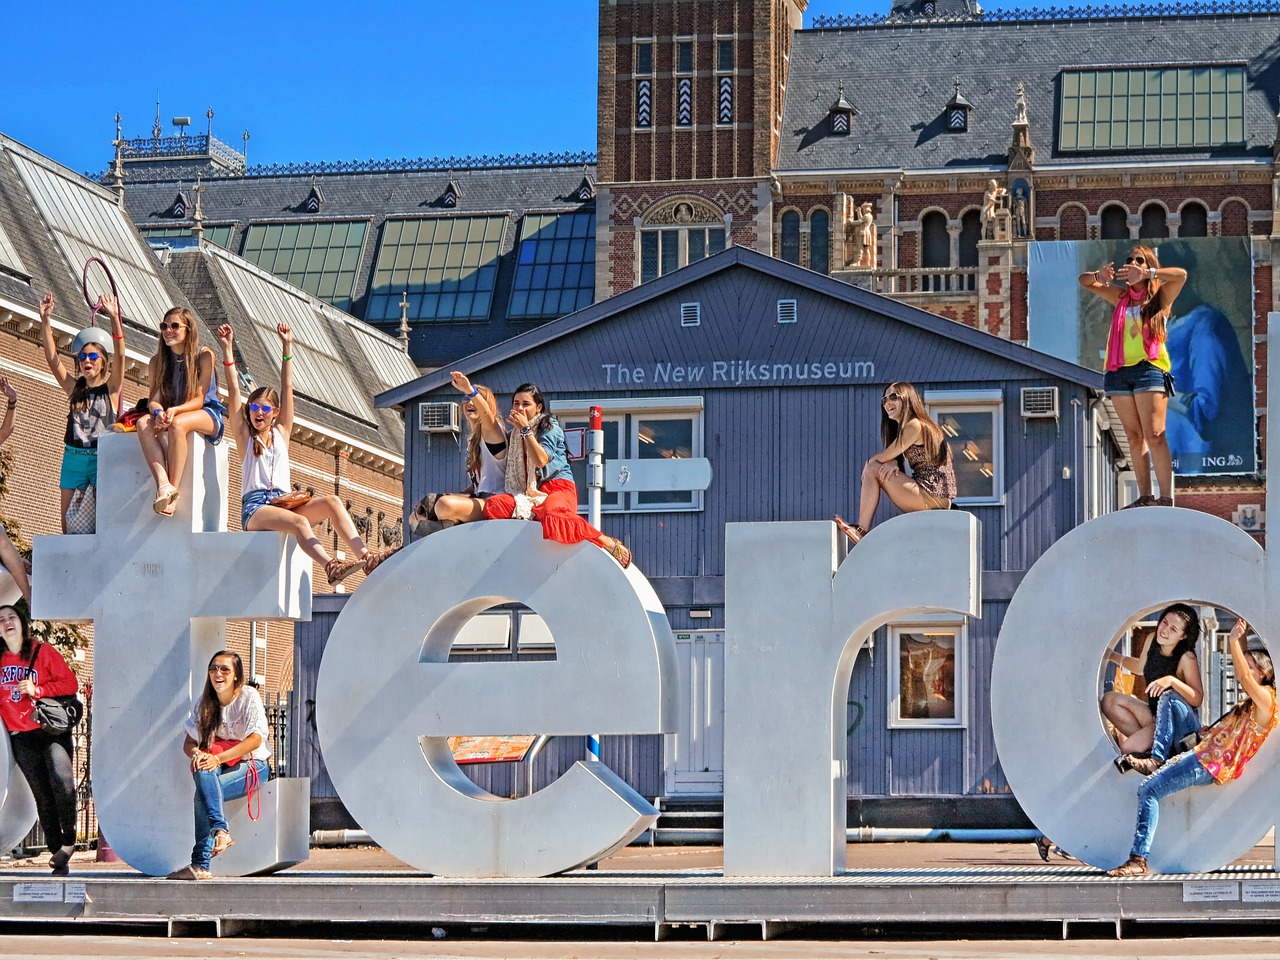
<point>226,739</point>
<point>486,464</point>
<point>261,429</point>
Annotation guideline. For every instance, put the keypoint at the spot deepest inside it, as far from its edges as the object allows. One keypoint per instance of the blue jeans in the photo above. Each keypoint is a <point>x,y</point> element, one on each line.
<point>212,788</point>
<point>1175,719</point>
<point>1186,771</point>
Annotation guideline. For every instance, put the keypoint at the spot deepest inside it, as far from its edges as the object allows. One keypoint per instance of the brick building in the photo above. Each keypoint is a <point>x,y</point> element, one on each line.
<point>51,221</point>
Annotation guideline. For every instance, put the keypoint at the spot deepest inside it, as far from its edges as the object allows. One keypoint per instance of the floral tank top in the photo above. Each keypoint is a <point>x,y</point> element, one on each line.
<point>1232,742</point>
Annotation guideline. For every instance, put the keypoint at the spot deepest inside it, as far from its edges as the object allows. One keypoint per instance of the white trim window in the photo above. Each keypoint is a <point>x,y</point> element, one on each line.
<point>928,671</point>
<point>640,429</point>
<point>973,423</point>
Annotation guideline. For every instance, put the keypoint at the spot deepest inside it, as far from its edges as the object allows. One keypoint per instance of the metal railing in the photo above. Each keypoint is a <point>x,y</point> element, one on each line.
<point>921,281</point>
<point>1199,8</point>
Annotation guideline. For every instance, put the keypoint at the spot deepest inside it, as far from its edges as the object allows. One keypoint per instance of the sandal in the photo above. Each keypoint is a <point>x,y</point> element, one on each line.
<point>191,872</point>
<point>166,500</point>
<point>1135,866</point>
<point>222,842</point>
<point>1044,846</point>
<point>620,553</point>
<point>338,570</point>
<point>1144,501</point>
<point>851,530</point>
<point>372,560</point>
<point>1162,502</point>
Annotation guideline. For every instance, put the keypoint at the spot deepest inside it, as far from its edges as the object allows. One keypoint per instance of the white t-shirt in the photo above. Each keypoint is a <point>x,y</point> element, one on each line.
<point>242,716</point>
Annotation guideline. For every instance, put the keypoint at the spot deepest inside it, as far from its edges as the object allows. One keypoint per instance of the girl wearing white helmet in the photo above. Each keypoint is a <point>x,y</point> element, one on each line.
<point>93,392</point>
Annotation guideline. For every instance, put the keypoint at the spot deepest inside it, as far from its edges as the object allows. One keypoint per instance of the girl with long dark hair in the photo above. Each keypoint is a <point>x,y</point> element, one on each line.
<point>539,483</point>
<point>908,434</point>
<point>226,739</point>
<point>32,670</point>
<point>262,427</point>
<point>1138,378</point>
<point>1221,755</point>
<point>184,400</point>
<point>93,394</point>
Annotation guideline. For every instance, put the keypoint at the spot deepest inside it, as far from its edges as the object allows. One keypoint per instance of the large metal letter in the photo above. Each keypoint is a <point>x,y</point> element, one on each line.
<point>385,698</point>
<point>794,626</point>
<point>159,592</point>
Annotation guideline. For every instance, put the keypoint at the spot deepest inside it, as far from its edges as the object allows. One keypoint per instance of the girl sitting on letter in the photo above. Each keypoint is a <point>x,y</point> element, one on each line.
<point>227,743</point>
<point>908,432</point>
<point>261,428</point>
<point>184,400</point>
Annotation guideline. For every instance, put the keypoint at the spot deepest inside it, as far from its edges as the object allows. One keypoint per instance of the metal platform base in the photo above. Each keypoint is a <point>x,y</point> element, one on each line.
<point>656,900</point>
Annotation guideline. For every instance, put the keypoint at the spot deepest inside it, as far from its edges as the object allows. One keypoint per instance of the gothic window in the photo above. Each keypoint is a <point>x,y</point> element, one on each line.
<point>1115,223</point>
<point>935,244</point>
<point>820,241</point>
<point>1153,222</point>
<point>1195,221</point>
<point>791,237</point>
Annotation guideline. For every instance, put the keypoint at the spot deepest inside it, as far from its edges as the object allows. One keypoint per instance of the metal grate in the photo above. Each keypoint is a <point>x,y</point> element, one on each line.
<point>1039,403</point>
<point>787,311</point>
<point>439,417</point>
<point>691,314</point>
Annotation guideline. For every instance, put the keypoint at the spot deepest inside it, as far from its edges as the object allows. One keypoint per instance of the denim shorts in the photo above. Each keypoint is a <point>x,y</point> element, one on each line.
<point>253,501</point>
<point>79,468</point>
<point>218,412</point>
<point>1141,377</point>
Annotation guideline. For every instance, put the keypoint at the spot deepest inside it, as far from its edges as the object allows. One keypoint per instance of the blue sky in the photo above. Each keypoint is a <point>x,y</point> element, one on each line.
<point>314,81</point>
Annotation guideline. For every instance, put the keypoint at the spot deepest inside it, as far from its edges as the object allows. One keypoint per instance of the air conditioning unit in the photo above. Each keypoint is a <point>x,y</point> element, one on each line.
<point>1040,403</point>
<point>442,416</point>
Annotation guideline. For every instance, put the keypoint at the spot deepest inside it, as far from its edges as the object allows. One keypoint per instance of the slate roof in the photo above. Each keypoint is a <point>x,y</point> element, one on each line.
<point>900,76</point>
<point>226,289</point>
<point>744,258</point>
<point>373,197</point>
<point>52,219</point>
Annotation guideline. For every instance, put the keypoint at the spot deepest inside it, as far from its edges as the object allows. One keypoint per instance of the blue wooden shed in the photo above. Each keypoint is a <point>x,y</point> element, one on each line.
<point>775,374</point>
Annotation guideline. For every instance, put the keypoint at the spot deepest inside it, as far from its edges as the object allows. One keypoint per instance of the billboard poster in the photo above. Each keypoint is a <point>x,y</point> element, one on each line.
<point>1211,424</point>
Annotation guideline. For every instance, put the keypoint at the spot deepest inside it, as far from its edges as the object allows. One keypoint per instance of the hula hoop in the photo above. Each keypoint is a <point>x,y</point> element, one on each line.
<point>84,286</point>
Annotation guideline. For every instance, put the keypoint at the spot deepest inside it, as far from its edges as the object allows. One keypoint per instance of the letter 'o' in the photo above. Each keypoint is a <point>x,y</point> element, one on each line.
<point>1049,732</point>
<point>387,700</point>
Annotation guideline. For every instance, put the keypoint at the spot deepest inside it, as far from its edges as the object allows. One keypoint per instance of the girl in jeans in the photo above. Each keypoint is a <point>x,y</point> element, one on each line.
<point>1219,757</point>
<point>227,743</point>
<point>44,759</point>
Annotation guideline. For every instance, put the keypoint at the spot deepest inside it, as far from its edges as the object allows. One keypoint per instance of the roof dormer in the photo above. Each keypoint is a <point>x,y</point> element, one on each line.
<point>315,199</point>
<point>178,209</point>
<point>957,111</point>
<point>452,193</point>
<point>840,115</point>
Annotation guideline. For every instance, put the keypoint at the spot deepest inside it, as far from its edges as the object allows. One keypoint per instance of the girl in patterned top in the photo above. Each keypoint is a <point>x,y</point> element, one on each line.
<point>909,434</point>
<point>1220,756</point>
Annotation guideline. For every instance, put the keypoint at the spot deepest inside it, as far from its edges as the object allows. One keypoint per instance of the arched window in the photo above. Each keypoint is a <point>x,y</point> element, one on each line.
<point>1195,221</point>
<point>820,241</point>
<point>791,237</point>
<point>1072,223</point>
<point>1115,223</point>
<point>1153,222</point>
<point>970,234</point>
<point>935,244</point>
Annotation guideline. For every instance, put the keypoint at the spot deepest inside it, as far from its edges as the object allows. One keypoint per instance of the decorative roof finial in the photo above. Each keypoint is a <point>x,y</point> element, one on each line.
<point>245,152</point>
<point>156,131</point>
<point>209,115</point>
<point>117,165</point>
<point>404,321</point>
<point>197,215</point>
<point>1020,107</point>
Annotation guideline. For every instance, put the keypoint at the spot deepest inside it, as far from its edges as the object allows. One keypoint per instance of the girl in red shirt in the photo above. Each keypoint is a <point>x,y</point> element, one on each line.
<point>44,760</point>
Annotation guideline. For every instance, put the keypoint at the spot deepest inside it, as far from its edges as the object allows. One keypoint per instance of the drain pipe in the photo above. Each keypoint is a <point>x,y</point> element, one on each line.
<point>926,834</point>
<point>340,838</point>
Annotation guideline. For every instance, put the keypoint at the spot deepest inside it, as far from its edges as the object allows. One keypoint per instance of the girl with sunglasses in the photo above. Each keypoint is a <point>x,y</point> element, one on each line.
<point>184,400</point>
<point>93,393</point>
<point>226,739</point>
<point>1137,377</point>
<point>262,428</point>
<point>908,433</point>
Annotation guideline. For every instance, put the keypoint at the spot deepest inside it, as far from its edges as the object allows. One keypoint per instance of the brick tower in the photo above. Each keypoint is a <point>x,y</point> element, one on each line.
<point>690,102</point>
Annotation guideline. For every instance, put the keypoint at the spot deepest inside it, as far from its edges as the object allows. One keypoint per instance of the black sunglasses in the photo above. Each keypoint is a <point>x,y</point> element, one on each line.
<point>1138,260</point>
